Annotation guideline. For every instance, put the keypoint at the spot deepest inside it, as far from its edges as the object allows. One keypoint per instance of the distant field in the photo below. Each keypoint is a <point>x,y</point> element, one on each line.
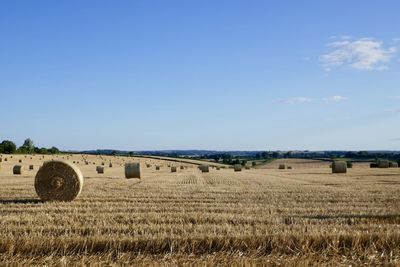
<point>255,217</point>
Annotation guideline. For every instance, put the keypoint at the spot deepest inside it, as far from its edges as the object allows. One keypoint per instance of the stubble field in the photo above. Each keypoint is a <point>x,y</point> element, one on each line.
<point>255,217</point>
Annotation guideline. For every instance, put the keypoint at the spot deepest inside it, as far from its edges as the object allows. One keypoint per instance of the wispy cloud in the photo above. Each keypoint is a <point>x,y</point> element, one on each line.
<point>335,98</point>
<point>295,100</point>
<point>395,97</point>
<point>360,54</point>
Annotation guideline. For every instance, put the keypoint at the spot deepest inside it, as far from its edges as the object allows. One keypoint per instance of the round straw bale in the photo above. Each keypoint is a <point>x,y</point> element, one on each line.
<point>132,170</point>
<point>339,167</point>
<point>349,164</point>
<point>204,168</point>
<point>173,169</point>
<point>100,169</point>
<point>157,168</point>
<point>247,167</point>
<point>373,165</point>
<point>58,181</point>
<point>20,161</point>
<point>5,159</point>
<point>31,167</point>
<point>237,168</point>
<point>102,164</point>
<point>289,167</point>
<point>282,166</point>
<point>393,165</point>
<point>148,165</point>
<point>182,167</point>
<point>18,169</point>
<point>383,164</point>
<point>110,165</point>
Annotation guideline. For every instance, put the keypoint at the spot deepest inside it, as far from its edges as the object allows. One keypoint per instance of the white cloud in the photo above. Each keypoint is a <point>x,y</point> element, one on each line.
<point>335,98</point>
<point>360,54</point>
<point>295,100</point>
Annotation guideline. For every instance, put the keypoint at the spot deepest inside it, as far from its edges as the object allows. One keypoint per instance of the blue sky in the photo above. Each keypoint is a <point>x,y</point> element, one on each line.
<point>224,75</point>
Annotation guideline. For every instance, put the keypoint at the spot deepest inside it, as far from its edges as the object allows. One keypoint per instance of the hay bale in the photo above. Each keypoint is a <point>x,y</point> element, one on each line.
<point>132,170</point>
<point>349,164</point>
<point>102,164</point>
<point>204,168</point>
<point>247,167</point>
<point>110,165</point>
<point>339,167</point>
<point>157,168</point>
<point>100,169</point>
<point>148,165</point>
<point>173,169</point>
<point>237,168</point>
<point>182,167</point>
<point>373,165</point>
<point>289,167</point>
<point>5,159</point>
<point>393,165</point>
<point>31,167</point>
<point>282,166</point>
<point>383,164</point>
<point>20,161</point>
<point>17,170</point>
<point>58,181</point>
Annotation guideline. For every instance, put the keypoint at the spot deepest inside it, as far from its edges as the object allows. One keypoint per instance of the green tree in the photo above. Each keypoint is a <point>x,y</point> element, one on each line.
<point>29,146</point>
<point>53,150</point>
<point>8,147</point>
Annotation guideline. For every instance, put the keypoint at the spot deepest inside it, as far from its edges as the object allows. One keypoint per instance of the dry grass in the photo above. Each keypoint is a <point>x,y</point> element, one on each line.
<point>276,217</point>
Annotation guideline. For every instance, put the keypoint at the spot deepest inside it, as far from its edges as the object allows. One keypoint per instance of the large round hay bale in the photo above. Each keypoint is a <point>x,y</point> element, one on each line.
<point>182,167</point>
<point>100,169</point>
<point>383,164</point>
<point>110,165</point>
<point>247,167</point>
<point>31,167</point>
<point>393,165</point>
<point>58,181</point>
<point>282,166</point>
<point>204,168</point>
<point>237,168</point>
<point>173,169</point>
<point>157,168</point>
<point>20,161</point>
<point>339,167</point>
<point>373,165</point>
<point>132,170</point>
<point>17,170</point>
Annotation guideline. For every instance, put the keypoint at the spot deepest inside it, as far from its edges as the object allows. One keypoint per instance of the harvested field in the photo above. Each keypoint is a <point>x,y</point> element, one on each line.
<point>254,217</point>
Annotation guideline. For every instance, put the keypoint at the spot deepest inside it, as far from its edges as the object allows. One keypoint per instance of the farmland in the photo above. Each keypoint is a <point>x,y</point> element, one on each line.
<point>254,217</point>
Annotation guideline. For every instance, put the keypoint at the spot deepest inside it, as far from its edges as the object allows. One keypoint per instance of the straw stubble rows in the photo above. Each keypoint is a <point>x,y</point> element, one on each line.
<point>253,216</point>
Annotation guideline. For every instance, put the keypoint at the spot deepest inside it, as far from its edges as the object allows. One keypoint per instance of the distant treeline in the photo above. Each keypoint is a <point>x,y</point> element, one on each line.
<point>9,147</point>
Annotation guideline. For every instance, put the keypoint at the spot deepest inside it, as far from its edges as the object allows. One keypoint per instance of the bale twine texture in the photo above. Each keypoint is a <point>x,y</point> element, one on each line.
<point>132,170</point>
<point>58,181</point>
